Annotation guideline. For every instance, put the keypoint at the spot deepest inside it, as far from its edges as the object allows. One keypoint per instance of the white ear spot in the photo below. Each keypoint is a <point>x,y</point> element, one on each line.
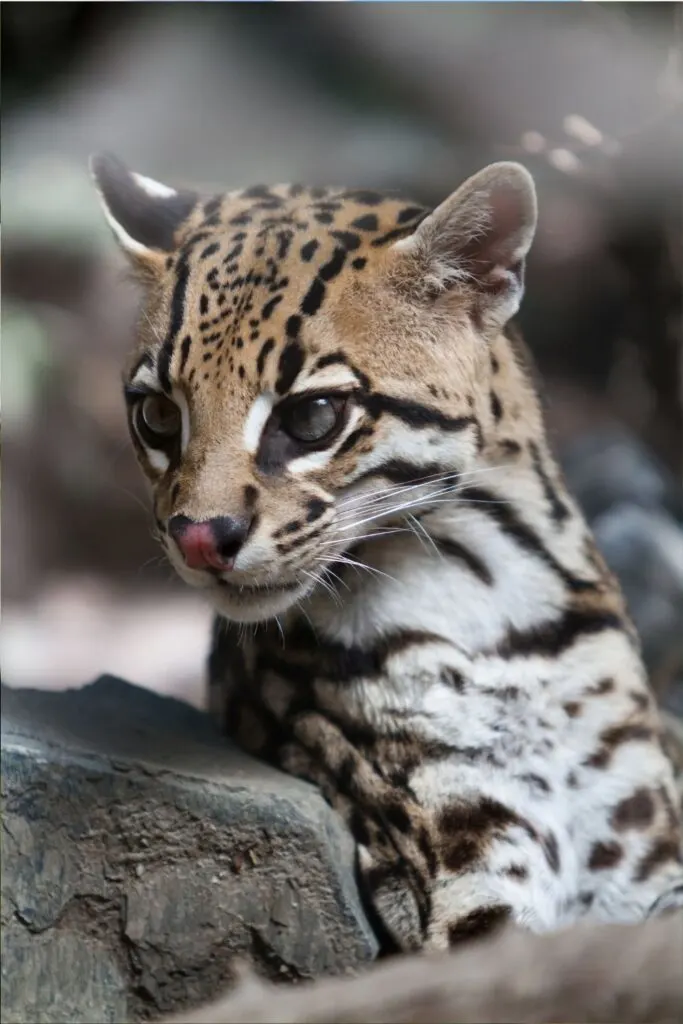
<point>256,420</point>
<point>153,188</point>
<point>126,241</point>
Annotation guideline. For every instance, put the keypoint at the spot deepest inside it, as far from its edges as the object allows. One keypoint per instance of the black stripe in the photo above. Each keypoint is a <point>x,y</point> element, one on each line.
<point>184,352</point>
<point>177,314</point>
<point>508,521</point>
<point>552,638</point>
<point>401,471</point>
<point>413,413</point>
<point>338,663</point>
<point>454,549</point>
<point>558,509</point>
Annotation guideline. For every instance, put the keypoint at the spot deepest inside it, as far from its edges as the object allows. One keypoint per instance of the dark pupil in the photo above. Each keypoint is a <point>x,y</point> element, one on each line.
<point>160,415</point>
<point>310,421</point>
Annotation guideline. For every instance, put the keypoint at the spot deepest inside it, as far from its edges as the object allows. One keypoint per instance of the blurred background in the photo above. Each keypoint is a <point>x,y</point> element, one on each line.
<point>412,96</point>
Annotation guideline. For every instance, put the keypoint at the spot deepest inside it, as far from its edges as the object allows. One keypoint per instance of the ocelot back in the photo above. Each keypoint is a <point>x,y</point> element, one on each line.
<point>347,455</point>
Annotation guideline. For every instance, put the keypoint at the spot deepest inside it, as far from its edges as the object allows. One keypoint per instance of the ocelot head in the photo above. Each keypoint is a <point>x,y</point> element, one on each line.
<point>310,366</point>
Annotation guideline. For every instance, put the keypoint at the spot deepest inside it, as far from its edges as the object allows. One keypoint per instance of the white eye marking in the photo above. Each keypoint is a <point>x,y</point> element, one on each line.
<point>256,420</point>
<point>157,459</point>
<point>181,402</point>
<point>154,188</point>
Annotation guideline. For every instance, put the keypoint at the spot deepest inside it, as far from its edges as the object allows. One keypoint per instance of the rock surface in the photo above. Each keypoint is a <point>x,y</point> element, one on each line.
<point>141,852</point>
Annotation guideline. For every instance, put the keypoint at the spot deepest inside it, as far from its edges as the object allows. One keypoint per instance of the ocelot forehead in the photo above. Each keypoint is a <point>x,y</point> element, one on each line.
<point>255,267</point>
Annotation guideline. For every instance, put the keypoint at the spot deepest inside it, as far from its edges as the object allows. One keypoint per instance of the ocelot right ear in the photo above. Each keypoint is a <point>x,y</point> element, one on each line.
<point>144,215</point>
<point>476,242</point>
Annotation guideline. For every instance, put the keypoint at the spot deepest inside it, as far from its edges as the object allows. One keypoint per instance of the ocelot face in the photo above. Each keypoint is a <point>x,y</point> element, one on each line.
<point>312,367</point>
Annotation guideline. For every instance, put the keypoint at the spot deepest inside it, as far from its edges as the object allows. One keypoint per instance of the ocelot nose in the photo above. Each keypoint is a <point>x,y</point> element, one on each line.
<point>211,544</point>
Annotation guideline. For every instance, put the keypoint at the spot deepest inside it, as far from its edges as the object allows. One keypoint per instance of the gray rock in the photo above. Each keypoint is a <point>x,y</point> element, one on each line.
<point>141,852</point>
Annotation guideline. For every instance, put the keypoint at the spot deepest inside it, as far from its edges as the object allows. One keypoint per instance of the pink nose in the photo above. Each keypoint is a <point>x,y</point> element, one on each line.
<point>212,544</point>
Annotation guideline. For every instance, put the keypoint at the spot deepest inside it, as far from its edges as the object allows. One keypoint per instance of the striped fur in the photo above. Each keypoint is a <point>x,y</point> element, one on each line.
<point>419,622</point>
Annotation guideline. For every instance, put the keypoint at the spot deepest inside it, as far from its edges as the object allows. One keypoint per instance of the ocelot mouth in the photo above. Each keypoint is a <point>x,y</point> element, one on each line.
<point>253,590</point>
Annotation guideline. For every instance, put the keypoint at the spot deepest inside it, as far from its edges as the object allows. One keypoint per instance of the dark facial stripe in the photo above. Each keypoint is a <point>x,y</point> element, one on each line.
<point>177,314</point>
<point>184,352</point>
<point>414,413</point>
<point>289,366</point>
<point>402,471</point>
<point>453,549</point>
<point>508,521</point>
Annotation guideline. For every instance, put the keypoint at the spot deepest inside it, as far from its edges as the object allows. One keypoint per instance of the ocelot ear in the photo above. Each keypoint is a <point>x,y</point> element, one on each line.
<point>477,241</point>
<point>144,214</point>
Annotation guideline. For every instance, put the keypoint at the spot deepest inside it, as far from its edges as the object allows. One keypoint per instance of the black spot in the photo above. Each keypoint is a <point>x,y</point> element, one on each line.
<point>536,782</point>
<point>495,365</point>
<point>207,356</point>
<point>517,871</point>
<point>390,236</point>
<point>308,250</point>
<point>290,364</point>
<point>269,306</point>
<point>359,263</point>
<point>240,218</point>
<point>410,213</point>
<point>604,855</point>
<point>452,678</point>
<point>210,250</point>
<point>478,923</point>
<point>572,708</point>
<point>601,688</point>
<point>509,446</point>
<point>552,638</point>
<point>313,299</point>
<point>348,239</point>
<point>323,217</point>
<point>368,222</point>
<point>203,304</point>
<point>364,196</point>
<point>496,407</point>
<point>333,266</point>
<point>184,351</point>
<point>635,811</point>
<point>293,326</point>
<point>315,509</point>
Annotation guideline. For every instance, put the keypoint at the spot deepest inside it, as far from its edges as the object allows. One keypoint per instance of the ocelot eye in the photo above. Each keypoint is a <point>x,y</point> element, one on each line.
<point>158,420</point>
<point>313,420</point>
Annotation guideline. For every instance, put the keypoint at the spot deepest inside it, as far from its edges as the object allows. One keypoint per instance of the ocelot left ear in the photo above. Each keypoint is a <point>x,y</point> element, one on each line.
<point>477,241</point>
<point>144,214</point>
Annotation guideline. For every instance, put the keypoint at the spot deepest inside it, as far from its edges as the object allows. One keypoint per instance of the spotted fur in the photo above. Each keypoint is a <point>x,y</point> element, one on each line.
<point>437,643</point>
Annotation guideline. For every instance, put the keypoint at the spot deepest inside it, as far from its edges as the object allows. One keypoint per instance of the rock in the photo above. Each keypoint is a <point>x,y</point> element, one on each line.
<point>141,852</point>
<point>635,508</point>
